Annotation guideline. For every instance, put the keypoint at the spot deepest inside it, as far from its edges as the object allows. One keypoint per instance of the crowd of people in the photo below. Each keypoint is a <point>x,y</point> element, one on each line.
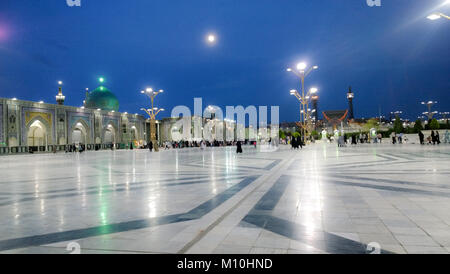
<point>201,144</point>
<point>434,138</point>
<point>297,142</point>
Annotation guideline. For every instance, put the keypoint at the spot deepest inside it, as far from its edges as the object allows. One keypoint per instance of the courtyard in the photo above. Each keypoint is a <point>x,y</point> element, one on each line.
<point>372,198</point>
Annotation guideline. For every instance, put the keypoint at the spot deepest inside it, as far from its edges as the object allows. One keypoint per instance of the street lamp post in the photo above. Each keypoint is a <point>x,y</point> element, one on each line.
<point>396,114</point>
<point>152,112</point>
<point>439,15</point>
<point>444,115</point>
<point>302,72</point>
<point>429,113</point>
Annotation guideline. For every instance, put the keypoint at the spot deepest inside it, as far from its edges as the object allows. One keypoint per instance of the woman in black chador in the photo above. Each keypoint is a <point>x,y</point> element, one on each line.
<point>150,146</point>
<point>353,140</point>
<point>299,142</point>
<point>239,147</point>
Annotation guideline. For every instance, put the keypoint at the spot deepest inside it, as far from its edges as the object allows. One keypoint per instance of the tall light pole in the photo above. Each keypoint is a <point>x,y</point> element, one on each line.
<point>305,111</point>
<point>152,112</point>
<point>396,113</point>
<point>429,113</point>
<point>302,71</point>
<point>437,15</point>
<point>445,114</point>
<point>314,99</point>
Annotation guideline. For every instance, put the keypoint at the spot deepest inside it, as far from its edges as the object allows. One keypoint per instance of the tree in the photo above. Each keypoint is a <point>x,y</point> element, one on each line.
<point>418,126</point>
<point>371,123</point>
<point>434,124</point>
<point>398,126</point>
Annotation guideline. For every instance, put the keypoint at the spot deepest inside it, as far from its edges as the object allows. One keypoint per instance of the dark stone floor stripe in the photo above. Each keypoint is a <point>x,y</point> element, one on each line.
<point>331,243</point>
<point>273,196</point>
<point>392,188</point>
<point>132,187</point>
<point>260,216</point>
<point>219,199</point>
<point>87,232</point>
<point>388,181</point>
<point>195,213</point>
<point>273,164</point>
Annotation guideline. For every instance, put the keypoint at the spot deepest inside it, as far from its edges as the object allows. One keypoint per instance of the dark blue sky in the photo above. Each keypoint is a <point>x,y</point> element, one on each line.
<point>391,55</point>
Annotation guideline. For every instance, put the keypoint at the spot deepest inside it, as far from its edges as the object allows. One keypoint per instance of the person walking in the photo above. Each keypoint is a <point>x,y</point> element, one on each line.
<point>433,137</point>
<point>394,137</point>
<point>239,147</point>
<point>438,138</point>
<point>421,137</point>
<point>353,139</point>
<point>150,146</point>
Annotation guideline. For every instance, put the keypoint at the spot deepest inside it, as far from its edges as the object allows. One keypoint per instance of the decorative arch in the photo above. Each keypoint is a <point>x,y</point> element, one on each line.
<point>134,133</point>
<point>109,129</point>
<point>81,125</point>
<point>47,127</point>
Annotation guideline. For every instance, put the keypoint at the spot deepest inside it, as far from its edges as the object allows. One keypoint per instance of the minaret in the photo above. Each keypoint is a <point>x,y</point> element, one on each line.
<point>60,97</point>
<point>314,99</point>
<point>350,96</point>
<point>86,97</point>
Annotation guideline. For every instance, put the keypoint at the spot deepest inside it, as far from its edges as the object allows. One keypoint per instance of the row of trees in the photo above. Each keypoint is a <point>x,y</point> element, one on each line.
<point>418,126</point>
<point>374,123</point>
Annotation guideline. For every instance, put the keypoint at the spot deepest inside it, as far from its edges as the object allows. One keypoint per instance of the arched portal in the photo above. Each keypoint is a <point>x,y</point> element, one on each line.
<point>37,134</point>
<point>109,135</point>
<point>80,133</point>
<point>134,135</point>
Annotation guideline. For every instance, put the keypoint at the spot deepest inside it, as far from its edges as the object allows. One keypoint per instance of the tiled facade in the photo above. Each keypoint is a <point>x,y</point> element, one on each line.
<point>59,121</point>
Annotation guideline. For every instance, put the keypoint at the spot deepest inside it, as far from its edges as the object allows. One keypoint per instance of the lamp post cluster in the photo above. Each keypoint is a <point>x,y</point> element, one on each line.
<point>152,112</point>
<point>304,97</point>
<point>396,114</point>
<point>429,113</point>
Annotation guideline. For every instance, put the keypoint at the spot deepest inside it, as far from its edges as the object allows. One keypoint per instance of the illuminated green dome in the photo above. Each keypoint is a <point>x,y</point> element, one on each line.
<point>103,99</point>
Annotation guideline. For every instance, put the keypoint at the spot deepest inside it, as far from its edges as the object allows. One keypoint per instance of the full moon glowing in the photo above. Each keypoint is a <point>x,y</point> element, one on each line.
<point>211,38</point>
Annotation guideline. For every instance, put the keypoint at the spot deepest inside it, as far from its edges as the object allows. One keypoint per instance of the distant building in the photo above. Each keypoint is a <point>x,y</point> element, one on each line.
<point>40,126</point>
<point>334,119</point>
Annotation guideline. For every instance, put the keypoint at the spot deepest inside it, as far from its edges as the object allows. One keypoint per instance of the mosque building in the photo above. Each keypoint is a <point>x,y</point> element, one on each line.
<point>39,126</point>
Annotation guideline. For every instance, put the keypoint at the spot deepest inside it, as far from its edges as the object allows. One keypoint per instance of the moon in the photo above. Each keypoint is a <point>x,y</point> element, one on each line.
<point>211,38</point>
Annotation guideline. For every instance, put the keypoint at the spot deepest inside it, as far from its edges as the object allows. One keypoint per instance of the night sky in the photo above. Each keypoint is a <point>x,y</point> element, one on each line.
<point>392,56</point>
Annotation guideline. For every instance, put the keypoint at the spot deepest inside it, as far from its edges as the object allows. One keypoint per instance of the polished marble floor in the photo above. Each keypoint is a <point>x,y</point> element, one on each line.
<point>376,198</point>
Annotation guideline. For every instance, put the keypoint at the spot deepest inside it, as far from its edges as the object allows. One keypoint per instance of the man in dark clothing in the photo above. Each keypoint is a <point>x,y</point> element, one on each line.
<point>299,142</point>
<point>438,138</point>
<point>433,137</point>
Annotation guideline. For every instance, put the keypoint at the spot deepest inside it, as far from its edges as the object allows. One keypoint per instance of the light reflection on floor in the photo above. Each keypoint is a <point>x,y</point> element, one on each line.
<point>321,199</point>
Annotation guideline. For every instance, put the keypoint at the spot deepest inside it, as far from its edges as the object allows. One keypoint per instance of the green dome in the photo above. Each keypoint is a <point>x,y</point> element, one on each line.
<point>102,98</point>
